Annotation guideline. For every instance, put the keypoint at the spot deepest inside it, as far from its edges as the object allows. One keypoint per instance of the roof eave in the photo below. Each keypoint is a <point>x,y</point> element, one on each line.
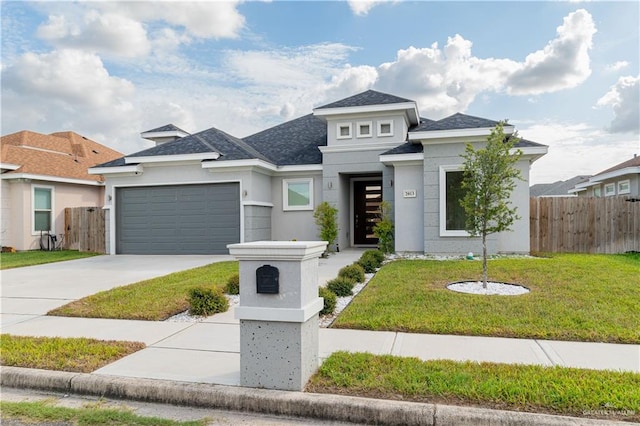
<point>134,169</point>
<point>409,107</point>
<point>455,133</point>
<point>167,134</point>
<point>172,158</point>
<point>59,179</point>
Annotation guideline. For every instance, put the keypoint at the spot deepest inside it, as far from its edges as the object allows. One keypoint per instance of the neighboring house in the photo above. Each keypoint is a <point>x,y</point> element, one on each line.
<point>560,188</point>
<point>201,192</point>
<point>621,179</point>
<point>41,176</point>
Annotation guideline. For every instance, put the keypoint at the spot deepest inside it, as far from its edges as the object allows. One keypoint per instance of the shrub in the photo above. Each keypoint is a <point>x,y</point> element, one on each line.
<point>341,286</point>
<point>233,285</point>
<point>371,260</point>
<point>205,301</point>
<point>353,272</point>
<point>330,300</point>
<point>384,228</point>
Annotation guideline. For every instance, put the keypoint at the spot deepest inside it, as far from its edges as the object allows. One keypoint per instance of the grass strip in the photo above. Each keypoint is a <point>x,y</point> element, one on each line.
<point>155,299</point>
<point>38,257</point>
<point>582,297</point>
<point>555,390</point>
<point>45,411</point>
<point>80,355</point>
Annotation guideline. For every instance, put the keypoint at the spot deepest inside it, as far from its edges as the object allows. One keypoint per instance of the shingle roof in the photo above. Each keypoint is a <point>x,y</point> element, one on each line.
<point>166,128</point>
<point>210,140</point>
<point>61,154</point>
<point>292,143</point>
<point>370,97</point>
<point>456,121</point>
<point>405,148</point>
<point>560,187</point>
<point>633,162</point>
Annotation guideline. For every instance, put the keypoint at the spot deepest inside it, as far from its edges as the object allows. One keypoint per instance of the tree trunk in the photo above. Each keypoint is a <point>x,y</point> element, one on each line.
<point>484,260</point>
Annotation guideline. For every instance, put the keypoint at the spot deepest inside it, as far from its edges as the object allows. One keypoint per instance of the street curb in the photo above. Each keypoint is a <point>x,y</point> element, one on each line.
<point>275,402</point>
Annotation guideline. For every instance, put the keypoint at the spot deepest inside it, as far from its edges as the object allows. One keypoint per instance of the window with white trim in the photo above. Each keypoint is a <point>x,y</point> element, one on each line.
<point>42,203</point>
<point>344,131</point>
<point>452,214</point>
<point>385,128</point>
<point>363,129</point>
<point>297,194</point>
<point>624,187</point>
<point>597,191</point>
<point>609,189</point>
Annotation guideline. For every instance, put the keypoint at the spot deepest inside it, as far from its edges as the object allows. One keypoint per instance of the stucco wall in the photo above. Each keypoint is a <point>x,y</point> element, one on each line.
<point>290,225</point>
<point>257,223</point>
<point>6,237</point>
<point>399,129</point>
<point>408,213</point>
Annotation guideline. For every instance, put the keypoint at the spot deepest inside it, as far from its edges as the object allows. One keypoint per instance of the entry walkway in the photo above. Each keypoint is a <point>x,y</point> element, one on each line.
<point>208,351</point>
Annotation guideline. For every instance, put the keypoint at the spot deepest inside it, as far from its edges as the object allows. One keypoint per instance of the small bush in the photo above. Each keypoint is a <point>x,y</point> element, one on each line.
<point>330,300</point>
<point>326,217</point>
<point>341,286</point>
<point>353,272</point>
<point>371,260</point>
<point>233,285</point>
<point>384,229</point>
<point>204,301</point>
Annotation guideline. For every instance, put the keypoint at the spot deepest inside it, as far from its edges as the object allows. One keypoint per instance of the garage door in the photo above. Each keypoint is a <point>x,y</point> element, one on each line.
<point>177,219</point>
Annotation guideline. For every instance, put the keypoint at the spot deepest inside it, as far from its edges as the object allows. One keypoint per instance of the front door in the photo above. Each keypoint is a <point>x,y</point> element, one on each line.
<point>367,196</point>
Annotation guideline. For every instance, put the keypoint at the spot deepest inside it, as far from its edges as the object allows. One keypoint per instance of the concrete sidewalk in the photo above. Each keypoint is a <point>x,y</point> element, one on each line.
<point>208,351</point>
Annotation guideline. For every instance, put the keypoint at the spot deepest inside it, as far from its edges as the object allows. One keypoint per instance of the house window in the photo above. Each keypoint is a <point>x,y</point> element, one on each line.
<point>344,131</point>
<point>42,202</point>
<point>385,128</point>
<point>297,194</point>
<point>597,191</point>
<point>452,214</point>
<point>364,130</point>
<point>624,187</point>
<point>609,189</point>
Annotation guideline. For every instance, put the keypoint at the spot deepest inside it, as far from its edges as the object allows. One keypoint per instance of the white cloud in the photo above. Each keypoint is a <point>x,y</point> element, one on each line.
<point>616,66</point>
<point>362,7</point>
<point>624,98</point>
<point>562,64</point>
<point>119,28</point>
<point>69,88</point>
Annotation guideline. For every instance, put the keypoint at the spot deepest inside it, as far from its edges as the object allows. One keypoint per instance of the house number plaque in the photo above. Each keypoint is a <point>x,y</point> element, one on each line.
<point>409,193</point>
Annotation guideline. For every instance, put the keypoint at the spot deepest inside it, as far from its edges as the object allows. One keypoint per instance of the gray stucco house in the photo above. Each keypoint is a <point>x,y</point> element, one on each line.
<point>197,193</point>
<point>621,179</point>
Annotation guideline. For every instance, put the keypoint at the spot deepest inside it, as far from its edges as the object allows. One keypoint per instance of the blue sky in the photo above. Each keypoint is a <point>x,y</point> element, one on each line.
<point>567,74</point>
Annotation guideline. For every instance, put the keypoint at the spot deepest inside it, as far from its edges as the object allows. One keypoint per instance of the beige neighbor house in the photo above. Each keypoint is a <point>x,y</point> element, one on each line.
<point>40,176</point>
<point>621,179</point>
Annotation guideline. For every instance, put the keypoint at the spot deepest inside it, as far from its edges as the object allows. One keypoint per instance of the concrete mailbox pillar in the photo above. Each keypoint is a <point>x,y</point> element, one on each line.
<point>278,312</point>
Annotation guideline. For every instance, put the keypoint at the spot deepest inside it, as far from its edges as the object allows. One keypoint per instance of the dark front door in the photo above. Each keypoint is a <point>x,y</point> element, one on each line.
<point>367,196</point>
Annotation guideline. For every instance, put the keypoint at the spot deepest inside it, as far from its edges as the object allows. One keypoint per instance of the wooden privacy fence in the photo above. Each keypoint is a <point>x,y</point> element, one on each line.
<point>585,224</point>
<point>84,229</point>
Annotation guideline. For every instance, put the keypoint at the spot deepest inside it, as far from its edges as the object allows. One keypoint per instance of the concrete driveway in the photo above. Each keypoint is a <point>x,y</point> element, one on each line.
<point>35,290</point>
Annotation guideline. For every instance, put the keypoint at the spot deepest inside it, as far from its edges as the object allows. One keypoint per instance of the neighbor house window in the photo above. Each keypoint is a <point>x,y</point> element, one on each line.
<point>609,189</point>
<point>42,202</point>
<point>344,131</point>
<point>597,191</point>
<point>385,128</point>
<point>297,194</point>
<point>364,130</point>
<point>452,214</point>
<point>624,187</point>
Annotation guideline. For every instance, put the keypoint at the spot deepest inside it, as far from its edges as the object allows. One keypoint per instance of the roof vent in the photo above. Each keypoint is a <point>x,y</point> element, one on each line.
<point>164,134</point>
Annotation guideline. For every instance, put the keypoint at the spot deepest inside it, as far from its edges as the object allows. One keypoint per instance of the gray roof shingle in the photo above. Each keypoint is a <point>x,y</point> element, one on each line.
<point>456,121</point>
<point>166,128</point>
<point>370,97</point>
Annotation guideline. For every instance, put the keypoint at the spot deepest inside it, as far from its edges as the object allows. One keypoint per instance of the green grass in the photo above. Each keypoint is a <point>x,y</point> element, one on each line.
<point>38,257</point>
<point>573,297</point>
<point>155,300</point>
<point>45,411</point>
<point>556,390</point>
<point>64,354</point>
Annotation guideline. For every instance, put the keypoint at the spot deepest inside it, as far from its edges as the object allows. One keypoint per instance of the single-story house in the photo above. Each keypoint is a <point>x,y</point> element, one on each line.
<point>621,179</point>
<point>198,193</point>
<point>40,176</point>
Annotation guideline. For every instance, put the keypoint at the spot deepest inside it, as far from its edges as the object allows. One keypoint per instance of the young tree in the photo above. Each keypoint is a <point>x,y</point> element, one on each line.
<point>489,179</point>
<point>326,217</point>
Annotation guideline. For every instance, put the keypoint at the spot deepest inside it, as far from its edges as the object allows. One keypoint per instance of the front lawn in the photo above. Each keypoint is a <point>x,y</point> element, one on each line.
<point>78,355</point>
<point>155,300</point>
<point>556,390</point>
<point>38,257</point>
<point>580,297</point>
